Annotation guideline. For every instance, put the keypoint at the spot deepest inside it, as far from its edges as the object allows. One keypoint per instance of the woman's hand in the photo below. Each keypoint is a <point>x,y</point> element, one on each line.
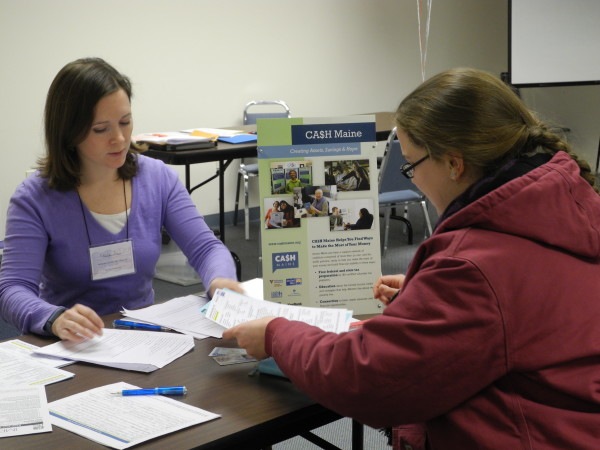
<point>77,324</point>
<point>222,283</point>
<point>251,336</point>
<point>386,287</point>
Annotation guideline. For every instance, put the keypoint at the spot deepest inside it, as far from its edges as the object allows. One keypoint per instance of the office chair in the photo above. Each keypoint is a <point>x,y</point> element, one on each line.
<point>395,190</point>
<point>268,110</point>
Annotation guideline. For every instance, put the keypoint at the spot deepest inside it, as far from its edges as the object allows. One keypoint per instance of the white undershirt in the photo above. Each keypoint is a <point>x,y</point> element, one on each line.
<point>112,222</point>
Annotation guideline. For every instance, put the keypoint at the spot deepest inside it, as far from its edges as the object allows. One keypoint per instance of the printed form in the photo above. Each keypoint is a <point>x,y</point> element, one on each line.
<point>26,349</point>
<point>229,309</point>
<point>23,370</point>
<point>180,314</point>
<point>23,410</point>
<point>123,421</point>
<point>143,351</point>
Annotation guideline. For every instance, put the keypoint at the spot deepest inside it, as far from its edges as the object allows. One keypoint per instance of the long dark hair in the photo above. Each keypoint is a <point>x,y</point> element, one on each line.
<point>68,117</point>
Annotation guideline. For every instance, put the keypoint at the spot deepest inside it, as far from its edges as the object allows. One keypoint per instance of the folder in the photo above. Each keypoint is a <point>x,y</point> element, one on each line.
<point>238,138</point>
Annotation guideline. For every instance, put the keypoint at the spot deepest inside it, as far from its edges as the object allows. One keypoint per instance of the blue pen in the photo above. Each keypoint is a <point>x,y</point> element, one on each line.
<point>174,390</point>
<point>125,324</point>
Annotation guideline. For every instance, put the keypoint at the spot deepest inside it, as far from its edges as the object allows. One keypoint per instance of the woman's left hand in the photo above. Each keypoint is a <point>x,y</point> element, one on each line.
<point>222,283</point>
<point>251,336</point>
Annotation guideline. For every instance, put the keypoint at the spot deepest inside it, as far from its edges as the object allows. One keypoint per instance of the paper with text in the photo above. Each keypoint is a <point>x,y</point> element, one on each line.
<point>142,351</point>
<point>123,421</point>
<point>229,309</point>
<point>180,314</point>
<point>23,410</point>
<point>23,370</point>
<point>26,349</point>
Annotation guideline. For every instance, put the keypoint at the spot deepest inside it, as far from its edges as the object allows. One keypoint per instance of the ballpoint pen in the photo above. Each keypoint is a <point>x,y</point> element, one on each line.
<point>174,390</point>
<point>127,325</point>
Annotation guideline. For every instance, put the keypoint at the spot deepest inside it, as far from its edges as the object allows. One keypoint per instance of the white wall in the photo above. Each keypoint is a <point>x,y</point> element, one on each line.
<point>573,107</point>
<point>197,62</point>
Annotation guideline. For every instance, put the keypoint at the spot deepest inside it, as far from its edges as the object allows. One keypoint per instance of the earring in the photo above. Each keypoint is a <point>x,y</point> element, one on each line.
<point>453,175</point>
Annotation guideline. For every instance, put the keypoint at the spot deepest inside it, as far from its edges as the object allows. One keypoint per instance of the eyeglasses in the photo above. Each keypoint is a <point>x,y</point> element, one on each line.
<point>408,169</point>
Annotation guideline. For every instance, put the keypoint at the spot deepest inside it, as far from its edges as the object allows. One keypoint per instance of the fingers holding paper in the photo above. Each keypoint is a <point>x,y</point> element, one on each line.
<point>78,323</point>
<point>251,336</point>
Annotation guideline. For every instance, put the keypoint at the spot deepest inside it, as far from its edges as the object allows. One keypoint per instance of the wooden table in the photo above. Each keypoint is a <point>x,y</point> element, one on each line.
<point>256,411</point>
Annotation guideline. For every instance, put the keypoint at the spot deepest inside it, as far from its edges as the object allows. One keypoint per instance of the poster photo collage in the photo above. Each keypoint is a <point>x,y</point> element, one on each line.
<point>295,198</point>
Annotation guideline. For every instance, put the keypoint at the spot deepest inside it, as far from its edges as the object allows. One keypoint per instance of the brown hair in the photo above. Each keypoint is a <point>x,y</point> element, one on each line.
<point>68,117</point>
<point>475,114</point>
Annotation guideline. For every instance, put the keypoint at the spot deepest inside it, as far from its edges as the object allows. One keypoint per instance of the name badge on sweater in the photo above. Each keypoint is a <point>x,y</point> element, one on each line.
<point>112,260</point>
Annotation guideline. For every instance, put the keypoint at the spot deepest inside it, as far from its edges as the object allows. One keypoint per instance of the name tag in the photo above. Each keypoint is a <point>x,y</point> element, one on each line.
<point>112,260</point>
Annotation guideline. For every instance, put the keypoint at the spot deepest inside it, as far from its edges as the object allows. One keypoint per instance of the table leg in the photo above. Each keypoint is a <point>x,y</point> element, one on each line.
<point>222,168</point>
<point>357,435</point>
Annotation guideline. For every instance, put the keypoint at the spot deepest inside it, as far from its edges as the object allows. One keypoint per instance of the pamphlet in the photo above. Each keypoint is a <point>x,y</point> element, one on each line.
<point>318,184</point>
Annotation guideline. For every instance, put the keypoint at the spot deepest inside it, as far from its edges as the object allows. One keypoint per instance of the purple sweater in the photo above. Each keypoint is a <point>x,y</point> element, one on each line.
<point>46,259</point>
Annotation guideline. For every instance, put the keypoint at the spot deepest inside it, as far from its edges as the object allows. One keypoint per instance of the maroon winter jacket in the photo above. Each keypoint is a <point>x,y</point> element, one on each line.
<point>494,341</point>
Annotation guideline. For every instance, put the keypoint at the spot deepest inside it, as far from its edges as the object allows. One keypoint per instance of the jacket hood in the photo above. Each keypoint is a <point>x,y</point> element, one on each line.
<point>551,204</point>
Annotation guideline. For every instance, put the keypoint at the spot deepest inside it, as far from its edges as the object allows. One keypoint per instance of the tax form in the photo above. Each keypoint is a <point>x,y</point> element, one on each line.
<point>123,421</point>
<point>26,349</point>
<point>23,410</point>
<point>143,351</point>
<point>229,309</point>
<point>180,314</point>
<point>23,370</point>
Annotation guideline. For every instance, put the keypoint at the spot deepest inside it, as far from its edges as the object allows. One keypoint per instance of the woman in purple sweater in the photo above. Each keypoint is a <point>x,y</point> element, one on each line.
<point>83,234</point>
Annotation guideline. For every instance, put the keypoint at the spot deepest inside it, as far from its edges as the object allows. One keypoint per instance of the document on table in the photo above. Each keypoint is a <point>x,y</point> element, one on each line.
<point>229,309</point>
<point>169,137</point>
<point>221,132</point>
<point>142,351</point>
<point>23,410</point>
<point>123,421</point>
<point>180,314</point>
<point>26,371</point>
<point>26,349</point>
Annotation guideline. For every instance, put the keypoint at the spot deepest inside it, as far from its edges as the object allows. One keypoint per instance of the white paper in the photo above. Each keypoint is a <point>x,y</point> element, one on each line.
<point>229,309</point>
<point>143,351</point>
<point>253,288</point>
<point>218,131</point>
<point>23,410</point>
<point>26,349</point>
<point>180,314</point>
<point>23,370</point>
<point>169,137</point>
<point>123,421</point>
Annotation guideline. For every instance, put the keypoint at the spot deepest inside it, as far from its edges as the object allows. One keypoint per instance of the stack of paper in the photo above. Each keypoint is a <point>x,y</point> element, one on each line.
<point>170,137</point>
<point>143,351</point>
<point>175,141</point>
<point>218,132</point>
<point>229,309</point>
<point>224,135</point>
<point>180,314</point>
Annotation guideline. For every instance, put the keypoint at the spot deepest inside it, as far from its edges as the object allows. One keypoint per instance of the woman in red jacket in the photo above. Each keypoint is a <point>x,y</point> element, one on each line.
<point>491,339</point>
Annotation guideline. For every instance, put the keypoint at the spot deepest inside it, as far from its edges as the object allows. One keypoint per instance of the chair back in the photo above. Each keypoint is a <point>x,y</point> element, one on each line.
<point>390,177</point>
<point>265,109</point>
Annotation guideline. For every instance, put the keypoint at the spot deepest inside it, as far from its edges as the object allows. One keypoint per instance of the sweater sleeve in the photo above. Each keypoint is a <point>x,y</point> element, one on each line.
<point>423,356</point>
<point>22,263</point>
<point>205,252</point>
